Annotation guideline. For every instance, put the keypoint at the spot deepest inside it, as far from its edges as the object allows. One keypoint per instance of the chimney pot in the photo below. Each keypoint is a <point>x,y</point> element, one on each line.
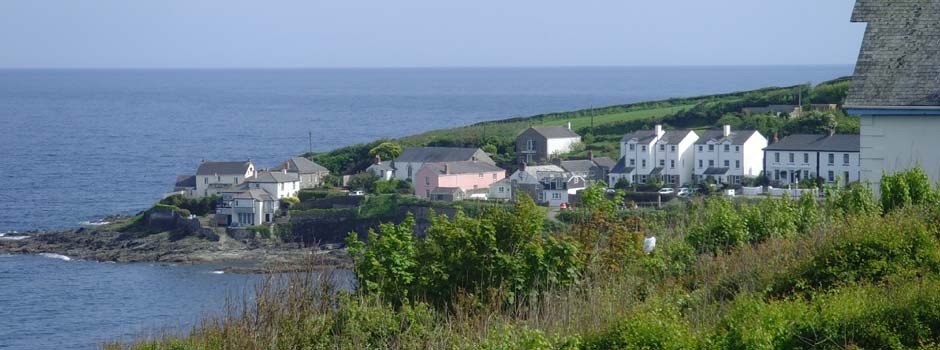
<point>591,155</point>
<point>569,125</point>
<point>726,130</point>
<point>446,169</point>
<point>776,139</point>
<point>659,130</point>
<point>378,159</point>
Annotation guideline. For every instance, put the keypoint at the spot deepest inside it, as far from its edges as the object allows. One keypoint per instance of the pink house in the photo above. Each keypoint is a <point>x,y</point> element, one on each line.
<point>467,176</point>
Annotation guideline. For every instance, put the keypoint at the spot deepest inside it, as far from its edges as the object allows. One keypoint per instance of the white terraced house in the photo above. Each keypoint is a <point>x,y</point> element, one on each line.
<point>663,154</point>
<point>834,158</point>
<point>728,156</point>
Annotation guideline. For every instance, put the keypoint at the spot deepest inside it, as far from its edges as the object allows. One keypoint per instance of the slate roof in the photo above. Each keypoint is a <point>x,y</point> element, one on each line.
<point>223,168</point>
<point>604,162</point>
<point>899,62</point>
<point>382,166</point>
<point>716,171</point>
<point>439,154</point>
<point>737,137</point>
<point>446,190</point>
<point>810,142</point>
<point>273,177</point>
<point>463,167</point>
<point>656,171</point>
<point>255,193</point>
<point>622,168</point>
<point>301,165</point>
<point>185,180</point>
<point>673,137</point>
<point>555,132</point>
<point>578,165</point>
<point>641,136</point>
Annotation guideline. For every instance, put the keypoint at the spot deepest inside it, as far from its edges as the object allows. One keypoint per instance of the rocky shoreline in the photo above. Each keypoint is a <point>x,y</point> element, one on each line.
<point>105,243</point>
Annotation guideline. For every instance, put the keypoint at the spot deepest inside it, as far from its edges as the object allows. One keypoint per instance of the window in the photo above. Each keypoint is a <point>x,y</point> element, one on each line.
<point>632,147</point>
<point>737,164</point>
<point>727,148</point>
<point>236,179</point>
<point>672,163</point>
<point>711,148</point>
<point>427,181</point>
<point>643,148</point>
<point>530,145</point>
<point>711,162</point>
<point>845,159</point>
<point>700,148</point>
<point>556,195</point>
<point>205,180</point>
<point>699,163</point>
<point>662,162</point>
<point>672,148</point>
<point>502,189</point>
<point>776,157</point>
<point>791,158</point>
<point>480,175</point>
<point>832,176</point>
<point>632,162</point>
<point>494,176</point>
<point>737,148</point>
<point>409,170</point>
<point>476,186</point>
<point>727,163</point>
<point>832,159</point>
<point>805,158</point>
<point>845,175</point>
<point>644,163</point>
<point>662,148</point>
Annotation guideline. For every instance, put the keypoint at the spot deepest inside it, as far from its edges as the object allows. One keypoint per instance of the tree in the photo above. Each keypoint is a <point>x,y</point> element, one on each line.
<point>386,150</point>
<point>363,181</point>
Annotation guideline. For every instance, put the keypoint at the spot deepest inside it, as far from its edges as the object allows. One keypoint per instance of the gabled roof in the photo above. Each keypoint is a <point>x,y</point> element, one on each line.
<point>737,137</point>
<point>185,180</point>
<point>604,162</point>
<point>301,165</point>
<point>622,168</point>
<point>381,166</point>
<point>256,194</point>
<point>641,136</point>
<point>578,165</point>
<point>810,142</point>
<point>441,154</point>
<point>274,177</point>
<point>223,168</point>
<point>716,171</point>
<point>899,62</point>
<point>555,132</point>
<point>455,168</point>
<point>673,137</point>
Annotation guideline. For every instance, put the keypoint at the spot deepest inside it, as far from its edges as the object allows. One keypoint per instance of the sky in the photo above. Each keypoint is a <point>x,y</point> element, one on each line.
<point>424,33</point>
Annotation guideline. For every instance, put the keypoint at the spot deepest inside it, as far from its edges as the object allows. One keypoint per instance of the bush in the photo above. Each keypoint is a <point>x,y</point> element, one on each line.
<point>262,230</point>
<point>911,187</point>
<point>721,227</point>
<point>657,327</point>
<point>363,181</point>
<point>201,206</point>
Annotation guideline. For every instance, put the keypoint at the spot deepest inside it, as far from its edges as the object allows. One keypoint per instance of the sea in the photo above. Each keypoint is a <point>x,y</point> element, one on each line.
<point>79,145</point>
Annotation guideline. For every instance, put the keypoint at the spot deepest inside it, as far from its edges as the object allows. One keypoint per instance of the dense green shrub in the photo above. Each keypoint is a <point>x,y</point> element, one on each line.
<point>200,206</point>
<point>659,326</point>
<point>905,188</point>
<point>721,227</point>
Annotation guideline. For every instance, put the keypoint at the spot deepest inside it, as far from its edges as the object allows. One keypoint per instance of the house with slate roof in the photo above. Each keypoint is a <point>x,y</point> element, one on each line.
<point>895,90</point>
<point>728,156</point>
<point>411,160</point>
<point>243,206</point>
<point>469,176</point>
<point>663,154</point>
<point>310,173</point>
<point>592,168</point>
<point>807,157</point>
<point>213,177</point>
<point>280,184</point>
<point>541,143</point>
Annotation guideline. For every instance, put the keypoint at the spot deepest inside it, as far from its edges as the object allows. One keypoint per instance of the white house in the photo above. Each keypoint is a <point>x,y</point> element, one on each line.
<point>311,174</point>
<point>213,177</point>
<point>806,157</point>
<point>895,90</point>
<point>541,143</point>
<point>246,207</point>
<point>280,184</point>
<point>664,154</point>
<point>407,164</point>
<point>729,156</point>
<point>382,170</point>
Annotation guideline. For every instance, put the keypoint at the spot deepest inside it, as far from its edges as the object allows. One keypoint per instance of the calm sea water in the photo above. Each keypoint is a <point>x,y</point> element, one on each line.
<point>78,145</point>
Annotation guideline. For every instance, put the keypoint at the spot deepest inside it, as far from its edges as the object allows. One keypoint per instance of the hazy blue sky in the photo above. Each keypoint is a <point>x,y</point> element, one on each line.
<point>396,33</point>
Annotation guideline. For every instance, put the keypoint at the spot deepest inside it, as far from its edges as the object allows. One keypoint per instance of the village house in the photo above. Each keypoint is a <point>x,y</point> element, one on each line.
<point>896,88</point>
<point>592,168</point>
<point>807,157</point>
<point>541,143</point>
<point>525,180</point>
<point>727,156</point>
<point>311,174</point>
<point>411,160</point>
<point>381,170</point>
<point>213,177</point>
<point>662,154</point>
<point>555,190</point>
<point>280,184</point>
<point>242,206</point>
<point>185,185</point>
<point>469,176</point>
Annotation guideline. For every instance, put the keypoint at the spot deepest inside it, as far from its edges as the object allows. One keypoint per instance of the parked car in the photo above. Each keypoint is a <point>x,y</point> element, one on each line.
<point>684,192</point>
<point>357,193</point>
<point>667,190</point>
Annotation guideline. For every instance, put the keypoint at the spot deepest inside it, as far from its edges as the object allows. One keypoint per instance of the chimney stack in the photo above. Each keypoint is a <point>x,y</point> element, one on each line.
<point>832,131</point>
<point>659,130</point>
<point>591,155</point>
<point>522,166</point>
<point>446,169</point>
<point>569,125</point>
<point>284,171</point>
<point>378,159</point>
<point>776,139</point>
<point>726,130</point>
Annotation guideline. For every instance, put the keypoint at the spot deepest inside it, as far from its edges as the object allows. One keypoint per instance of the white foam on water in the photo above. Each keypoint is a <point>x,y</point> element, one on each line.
<point>12,238</point>
<point>55,256</point>
<point>94,223</point>
<point>218,272</point>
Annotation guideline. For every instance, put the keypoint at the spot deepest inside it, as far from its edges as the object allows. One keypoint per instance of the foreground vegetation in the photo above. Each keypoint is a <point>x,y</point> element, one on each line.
<point>846,272</point>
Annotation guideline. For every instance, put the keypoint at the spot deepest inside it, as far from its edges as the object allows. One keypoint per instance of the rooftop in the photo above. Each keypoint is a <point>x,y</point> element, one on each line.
<point>441,154</point>
<point>454,168</point>
<point>555,132</point>
<point>899,62</point>
<point>301,165</point>
<point>737,137</point>
<point>223,168</point>
<point>812,142</point>
<point>274,177</point>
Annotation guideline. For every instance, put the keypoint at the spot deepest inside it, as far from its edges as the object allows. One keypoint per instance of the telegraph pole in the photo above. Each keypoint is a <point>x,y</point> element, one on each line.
<point>310,141</point>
